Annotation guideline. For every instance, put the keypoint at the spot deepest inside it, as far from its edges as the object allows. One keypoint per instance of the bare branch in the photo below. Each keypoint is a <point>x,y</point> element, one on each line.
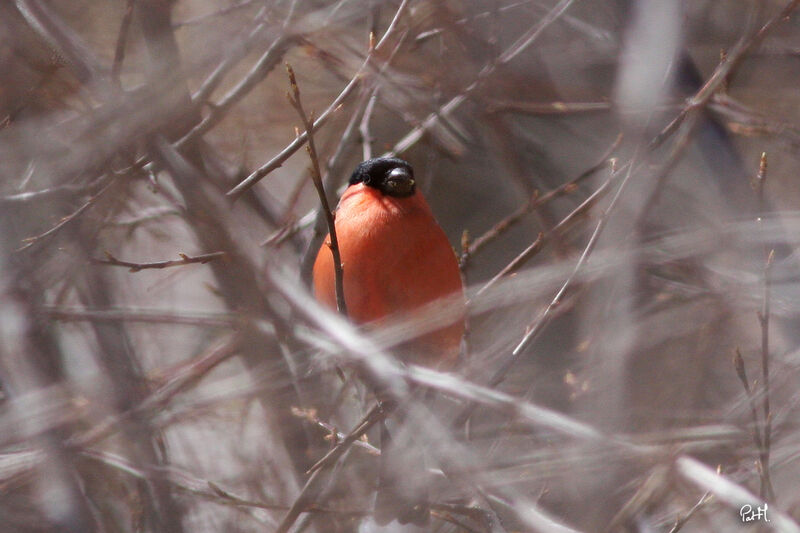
<point>137,267</point>
<point>287,152</point>
<point>316,176</point>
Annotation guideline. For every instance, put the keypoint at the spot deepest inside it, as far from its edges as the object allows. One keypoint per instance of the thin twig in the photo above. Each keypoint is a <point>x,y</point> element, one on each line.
<point>304,499</point>
<point>534,203</point>
<point>543,238</point>
<point>280,158</point>
<point>598,230</point>
<point>335,174</point>
<point>189,374</point>
<point>136,267</point>
<point>316,176</point>
<point>366,136</point>
<point>311,416</point>
<point>723,72</point>
<point>30,241</point>
<point>680,522</point>
<point>287,152</point>
<point>523,42</point>
<point>536,327</point>
<point>741,373</point>
<point>268,61</point>
<point>375,415</point>
<point>766,492</point>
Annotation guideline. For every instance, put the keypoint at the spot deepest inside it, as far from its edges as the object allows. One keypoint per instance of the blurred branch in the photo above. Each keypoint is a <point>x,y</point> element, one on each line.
<point>729,493</point>
<point>147,215</point>
<point>189,483</point>
<point>63,40</point>
<point>546,108</point>
<point>307,495</point>
<point>122,39</point>
<point>238,278</point>
<point>185,377</point>
<point>335,436</point>
<point>31,373</point>
<point>264,66</point>
<point>682,521</point>
<point>363,128</point>
<point>649,492</point>
<point>524,41</point>
<point>202,19</point>
<point>380,369</point>
<point>66,191</point>
<point>134,314</point>
<point>729,63</point>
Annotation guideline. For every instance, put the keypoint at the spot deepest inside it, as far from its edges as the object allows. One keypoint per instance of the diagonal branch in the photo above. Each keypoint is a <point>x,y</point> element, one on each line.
<point>287,152</point>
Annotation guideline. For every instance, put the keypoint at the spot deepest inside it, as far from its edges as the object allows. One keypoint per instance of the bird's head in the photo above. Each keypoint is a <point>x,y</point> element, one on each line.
<point>390,175</point>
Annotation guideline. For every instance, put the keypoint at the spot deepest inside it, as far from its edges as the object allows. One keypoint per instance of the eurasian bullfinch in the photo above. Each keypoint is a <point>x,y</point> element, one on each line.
<point>395,259</point>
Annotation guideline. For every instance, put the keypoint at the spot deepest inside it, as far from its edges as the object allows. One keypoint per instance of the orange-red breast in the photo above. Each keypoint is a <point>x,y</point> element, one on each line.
<point>395,259</point>
<point>395,256</point>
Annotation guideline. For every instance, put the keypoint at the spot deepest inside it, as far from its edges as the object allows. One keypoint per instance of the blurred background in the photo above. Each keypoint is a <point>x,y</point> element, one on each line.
<point>618,179</point>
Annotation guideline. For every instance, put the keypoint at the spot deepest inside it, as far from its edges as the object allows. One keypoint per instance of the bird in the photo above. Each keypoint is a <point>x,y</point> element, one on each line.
<point>395,259</point>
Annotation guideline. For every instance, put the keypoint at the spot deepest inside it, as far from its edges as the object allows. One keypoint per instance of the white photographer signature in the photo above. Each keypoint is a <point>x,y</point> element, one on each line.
<point>749,514</point>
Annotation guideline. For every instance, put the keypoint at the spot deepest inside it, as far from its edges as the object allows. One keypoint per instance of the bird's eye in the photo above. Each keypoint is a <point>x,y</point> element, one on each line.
<point>398,182</point>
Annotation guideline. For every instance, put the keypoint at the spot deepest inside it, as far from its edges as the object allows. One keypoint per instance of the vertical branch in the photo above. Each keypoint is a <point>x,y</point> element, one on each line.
<point>767,491</point>
<point>741,372</point>
<point>31,363</point>
<point>316,176</point>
